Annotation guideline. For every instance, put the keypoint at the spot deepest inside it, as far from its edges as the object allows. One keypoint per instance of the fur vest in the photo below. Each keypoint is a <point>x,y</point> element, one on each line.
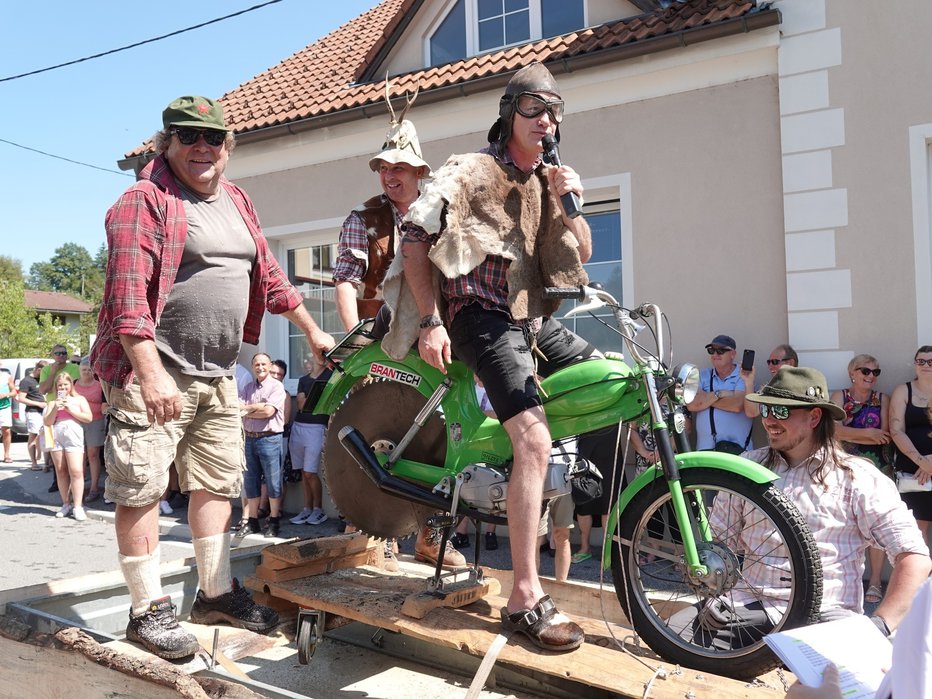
<point>485,207</point>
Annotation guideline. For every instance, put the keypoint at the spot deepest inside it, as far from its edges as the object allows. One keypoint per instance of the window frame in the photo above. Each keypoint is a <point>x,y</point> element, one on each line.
<point>535,20</point>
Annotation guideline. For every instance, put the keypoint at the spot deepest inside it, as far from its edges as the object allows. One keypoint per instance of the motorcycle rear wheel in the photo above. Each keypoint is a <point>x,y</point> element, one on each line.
<point>683,620</point>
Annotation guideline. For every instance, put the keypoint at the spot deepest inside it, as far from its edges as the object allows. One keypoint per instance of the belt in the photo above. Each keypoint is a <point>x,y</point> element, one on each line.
<point>256,435</point>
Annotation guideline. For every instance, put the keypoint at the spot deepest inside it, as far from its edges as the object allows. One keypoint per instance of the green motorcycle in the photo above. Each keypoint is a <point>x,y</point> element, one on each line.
<point>406,441</point>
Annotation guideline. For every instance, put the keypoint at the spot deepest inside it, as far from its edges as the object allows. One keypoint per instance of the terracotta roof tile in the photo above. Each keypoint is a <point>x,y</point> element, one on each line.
<point>321,79</point>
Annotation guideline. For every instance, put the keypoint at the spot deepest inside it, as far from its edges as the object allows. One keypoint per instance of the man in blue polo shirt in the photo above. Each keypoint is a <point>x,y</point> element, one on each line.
<point>718,408</point>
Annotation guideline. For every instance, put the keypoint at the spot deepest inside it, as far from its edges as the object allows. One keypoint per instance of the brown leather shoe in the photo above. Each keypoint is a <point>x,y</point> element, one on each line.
<point>428,549</point>
<point>544,626</point>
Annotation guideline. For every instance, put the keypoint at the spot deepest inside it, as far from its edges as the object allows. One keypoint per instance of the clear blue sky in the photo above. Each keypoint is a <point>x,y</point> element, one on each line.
<point>97,110</point>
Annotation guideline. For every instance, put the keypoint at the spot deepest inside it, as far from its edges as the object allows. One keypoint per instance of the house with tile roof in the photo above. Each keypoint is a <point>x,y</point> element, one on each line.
<point>757,168</point>
<point>64,308</point>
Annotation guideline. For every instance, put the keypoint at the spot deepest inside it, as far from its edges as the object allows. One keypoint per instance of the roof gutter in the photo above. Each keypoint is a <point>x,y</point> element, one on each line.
<point>741,25</point>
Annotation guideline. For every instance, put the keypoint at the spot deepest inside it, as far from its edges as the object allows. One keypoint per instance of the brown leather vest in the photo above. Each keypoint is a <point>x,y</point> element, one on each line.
<point>376,213</point>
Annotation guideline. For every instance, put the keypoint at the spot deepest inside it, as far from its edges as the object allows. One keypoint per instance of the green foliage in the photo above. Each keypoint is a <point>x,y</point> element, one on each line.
<point>11,269</point>
<point>25,334</point>
<point>71,270</point>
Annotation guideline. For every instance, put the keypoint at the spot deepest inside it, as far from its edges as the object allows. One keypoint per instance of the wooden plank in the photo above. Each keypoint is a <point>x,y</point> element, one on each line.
<point>294,553</point>
<point>367,595</point>
<point>575,598</point>
<point>233,643</point>
<point>453,597</point>
<point>327,565</point>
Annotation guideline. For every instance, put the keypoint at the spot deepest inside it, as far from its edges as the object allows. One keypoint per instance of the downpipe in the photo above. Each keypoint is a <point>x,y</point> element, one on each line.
<point>362,454</point>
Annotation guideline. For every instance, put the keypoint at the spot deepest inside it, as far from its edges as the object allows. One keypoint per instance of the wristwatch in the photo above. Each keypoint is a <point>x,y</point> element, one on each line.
<point>430,322</point>
<point>717,394</point>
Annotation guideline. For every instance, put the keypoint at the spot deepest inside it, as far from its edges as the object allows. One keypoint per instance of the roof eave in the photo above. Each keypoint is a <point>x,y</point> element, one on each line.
<point>753,21</point>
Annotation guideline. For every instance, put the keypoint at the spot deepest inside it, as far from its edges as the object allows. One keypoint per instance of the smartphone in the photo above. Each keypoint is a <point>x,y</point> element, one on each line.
<point>747,361</point>
<point>62,393</point>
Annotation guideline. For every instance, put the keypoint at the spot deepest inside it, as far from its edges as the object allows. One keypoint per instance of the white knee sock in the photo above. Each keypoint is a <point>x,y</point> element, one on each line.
<point>213,564</point>
<point>143,578</point>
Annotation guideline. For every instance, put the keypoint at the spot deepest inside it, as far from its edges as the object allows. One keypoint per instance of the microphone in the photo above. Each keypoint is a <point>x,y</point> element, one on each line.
<point>571,203</point>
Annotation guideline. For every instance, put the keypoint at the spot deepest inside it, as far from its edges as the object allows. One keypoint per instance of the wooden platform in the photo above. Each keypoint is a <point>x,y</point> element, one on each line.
<point>372,596</point>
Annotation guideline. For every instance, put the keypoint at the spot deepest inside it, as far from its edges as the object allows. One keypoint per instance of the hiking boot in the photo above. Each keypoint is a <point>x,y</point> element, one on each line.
<point>249,526</point>
<point>428,550</point>
<point>160,633</point>
<point>459,541</point>
<point>274,528</point>
<point>236,608</point>
<point>491,541</point>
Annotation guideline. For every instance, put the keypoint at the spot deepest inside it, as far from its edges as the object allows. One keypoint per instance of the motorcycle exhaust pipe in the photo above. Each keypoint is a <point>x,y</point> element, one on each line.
<point>362,454</point>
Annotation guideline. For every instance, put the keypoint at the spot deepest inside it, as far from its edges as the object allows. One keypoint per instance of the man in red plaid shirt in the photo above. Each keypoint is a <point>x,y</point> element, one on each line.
<point>498,349</point>
<point>189,277</point>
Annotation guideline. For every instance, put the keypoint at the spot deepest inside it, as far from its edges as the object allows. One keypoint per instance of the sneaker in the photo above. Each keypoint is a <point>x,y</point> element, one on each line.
<point>428,550</point>
<point>302,516</point>
<point>64,511</point>
<point>79,514</point>
<point>53,488</point>
<point>236,608</point>
<point>491,541</point>
<point>317,517</point>
<point>274,527</point>
<point>248,526</point>
<point>459,541</point>
<point>160,633</point>
<point>390,561</point>
<point>165,508</point>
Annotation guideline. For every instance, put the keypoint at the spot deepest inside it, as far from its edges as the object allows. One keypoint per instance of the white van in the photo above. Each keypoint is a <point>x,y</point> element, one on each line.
<point>17,368</point>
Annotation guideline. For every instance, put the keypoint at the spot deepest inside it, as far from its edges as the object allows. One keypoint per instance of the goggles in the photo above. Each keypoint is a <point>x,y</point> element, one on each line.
<point>530,105</point>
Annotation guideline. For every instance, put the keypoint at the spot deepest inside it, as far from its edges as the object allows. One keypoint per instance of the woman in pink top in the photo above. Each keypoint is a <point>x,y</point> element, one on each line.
<point>95,431</point>
<point>65,416</point>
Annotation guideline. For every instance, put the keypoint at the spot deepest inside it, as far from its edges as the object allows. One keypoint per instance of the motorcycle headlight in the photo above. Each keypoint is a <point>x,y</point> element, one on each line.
<point>686,383</point>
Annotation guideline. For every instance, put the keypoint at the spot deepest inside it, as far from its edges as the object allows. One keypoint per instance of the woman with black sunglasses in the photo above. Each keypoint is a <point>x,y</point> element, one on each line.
<point>865,431</point>
<point>911,430</point>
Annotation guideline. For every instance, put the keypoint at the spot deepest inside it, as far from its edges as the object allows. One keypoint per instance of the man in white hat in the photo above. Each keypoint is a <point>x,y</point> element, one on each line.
<point>368,241</point>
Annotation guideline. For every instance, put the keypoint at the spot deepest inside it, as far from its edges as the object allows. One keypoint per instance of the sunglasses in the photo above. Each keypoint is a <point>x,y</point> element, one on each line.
<point>59,354</point>
<point>717,350</point>
<point>779,412</point>
<point>530,105</point>
<point>774,362</point>
<point>924,362</point>
<point>867,372</point>
<point>188,136</point>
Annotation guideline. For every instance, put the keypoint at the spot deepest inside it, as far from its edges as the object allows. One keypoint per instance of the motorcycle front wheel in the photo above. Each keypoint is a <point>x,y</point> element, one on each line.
<point>763,572</point>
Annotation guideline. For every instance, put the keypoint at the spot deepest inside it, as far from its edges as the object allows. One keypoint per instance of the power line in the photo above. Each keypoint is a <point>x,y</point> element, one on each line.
<point>138,43</point>
<point>67,160</point>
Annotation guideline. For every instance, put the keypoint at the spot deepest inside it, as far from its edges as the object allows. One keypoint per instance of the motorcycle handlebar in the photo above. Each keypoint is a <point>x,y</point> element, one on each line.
<point>556,292</point>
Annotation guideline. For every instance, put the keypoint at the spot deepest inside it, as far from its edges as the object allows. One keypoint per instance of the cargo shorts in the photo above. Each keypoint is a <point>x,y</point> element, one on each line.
<point>205,442</point>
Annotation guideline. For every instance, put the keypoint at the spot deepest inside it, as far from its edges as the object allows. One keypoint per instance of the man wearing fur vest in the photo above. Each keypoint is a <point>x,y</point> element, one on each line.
<point>493,225</point>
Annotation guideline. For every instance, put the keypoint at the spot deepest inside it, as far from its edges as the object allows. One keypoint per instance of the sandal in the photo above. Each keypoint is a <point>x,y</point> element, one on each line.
<point>580,556</point>
<point>544,626</point>
<point>874,594</point>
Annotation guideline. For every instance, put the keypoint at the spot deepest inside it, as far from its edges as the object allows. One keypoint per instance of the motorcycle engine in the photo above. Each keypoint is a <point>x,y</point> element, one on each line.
<point>484,488</point>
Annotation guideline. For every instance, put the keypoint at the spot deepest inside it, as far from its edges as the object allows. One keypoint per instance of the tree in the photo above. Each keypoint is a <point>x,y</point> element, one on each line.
<point>24,334</point>
<point>71,270</point>
<point>11,269</point>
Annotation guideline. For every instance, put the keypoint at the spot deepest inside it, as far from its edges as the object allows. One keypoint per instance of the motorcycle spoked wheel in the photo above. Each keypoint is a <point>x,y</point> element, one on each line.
<point>382,411</point>
<point>655,593</point>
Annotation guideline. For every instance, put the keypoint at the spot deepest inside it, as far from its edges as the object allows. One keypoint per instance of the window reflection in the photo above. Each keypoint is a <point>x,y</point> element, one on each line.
<point>310,269</point>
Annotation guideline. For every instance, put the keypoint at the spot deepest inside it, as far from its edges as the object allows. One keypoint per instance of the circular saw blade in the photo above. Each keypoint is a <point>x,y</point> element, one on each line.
<point>382,412</point>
